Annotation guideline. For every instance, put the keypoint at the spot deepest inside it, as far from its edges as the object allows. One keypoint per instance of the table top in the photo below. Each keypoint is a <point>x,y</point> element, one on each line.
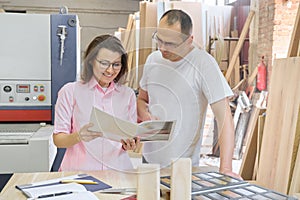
<point>116,179</point>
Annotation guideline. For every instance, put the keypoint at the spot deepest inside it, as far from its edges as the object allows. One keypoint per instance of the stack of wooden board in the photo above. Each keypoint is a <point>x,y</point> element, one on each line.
<point>128,38</point>
<point>281,138</point>
<point>277,162</point>
<point>280,155</point>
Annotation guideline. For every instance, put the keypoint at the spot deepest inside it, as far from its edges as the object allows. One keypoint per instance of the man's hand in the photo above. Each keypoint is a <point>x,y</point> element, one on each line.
<point>142,107</point>
<point>86,135</point>
<point>130,144</point>
<point>231,173</point>
<point>147,116</point>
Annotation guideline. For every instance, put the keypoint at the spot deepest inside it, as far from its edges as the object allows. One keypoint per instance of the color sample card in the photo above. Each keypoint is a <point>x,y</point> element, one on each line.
<point>208,180</point>
<point>217,186</point>
<point>244,192</point>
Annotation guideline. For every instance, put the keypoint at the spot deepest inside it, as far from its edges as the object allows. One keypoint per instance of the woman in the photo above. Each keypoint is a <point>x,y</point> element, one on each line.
<point>104,67</point>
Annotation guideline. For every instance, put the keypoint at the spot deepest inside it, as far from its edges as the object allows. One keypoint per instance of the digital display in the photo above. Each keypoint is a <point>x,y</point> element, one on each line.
<point>23,88</point>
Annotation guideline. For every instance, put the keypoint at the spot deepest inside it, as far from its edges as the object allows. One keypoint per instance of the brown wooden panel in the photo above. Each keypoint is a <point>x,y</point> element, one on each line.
<point>279,135</point>
<point>295,176</point>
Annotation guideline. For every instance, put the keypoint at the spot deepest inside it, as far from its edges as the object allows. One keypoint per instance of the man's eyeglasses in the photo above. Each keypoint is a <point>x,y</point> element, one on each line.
<point>170,45</point>
<point>106,64</point>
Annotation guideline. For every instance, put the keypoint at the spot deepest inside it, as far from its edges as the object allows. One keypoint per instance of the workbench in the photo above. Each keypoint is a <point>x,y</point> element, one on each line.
<point>116,179</point>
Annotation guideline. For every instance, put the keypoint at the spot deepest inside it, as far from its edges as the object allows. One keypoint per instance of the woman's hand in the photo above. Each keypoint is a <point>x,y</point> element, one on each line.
<point>86,135</point>
<point>130,144</point>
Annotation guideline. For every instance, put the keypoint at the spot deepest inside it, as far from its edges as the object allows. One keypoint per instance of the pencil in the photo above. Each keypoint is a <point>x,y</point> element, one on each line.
<point>79,181</point>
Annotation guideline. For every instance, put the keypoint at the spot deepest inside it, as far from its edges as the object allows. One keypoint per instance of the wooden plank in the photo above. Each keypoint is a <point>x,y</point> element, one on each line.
<point>280,127</point>
<point>295,176</point>
<point>239,45</point>
<point>148,25</point>
<point>248,161</point>
<point>120,32</point>
<point>260,130</point>
<point>131,51</point>
<point>240,132</point>
<point>255,112</point>
<point>235,79</point>
<point>133,83</point>
<point>238,85</point>
<point>128,31</point>
<point>295,39</point>
<point>181,179</point>
<point>244,71</point>
<point>129,45</point>
<point>148,183</point>
<point>298,52</point>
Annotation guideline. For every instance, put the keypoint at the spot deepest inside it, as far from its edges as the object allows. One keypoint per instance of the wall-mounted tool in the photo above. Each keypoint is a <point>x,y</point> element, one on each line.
<point>62,33</point>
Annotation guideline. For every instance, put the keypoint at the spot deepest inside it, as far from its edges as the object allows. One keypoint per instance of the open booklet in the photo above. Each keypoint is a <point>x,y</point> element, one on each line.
<point>116,129</point>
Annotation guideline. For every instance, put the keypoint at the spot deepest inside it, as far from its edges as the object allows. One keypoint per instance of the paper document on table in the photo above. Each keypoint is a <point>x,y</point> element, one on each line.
<point>59,192</point>
<point>116,129</point>
<point>78,177</point>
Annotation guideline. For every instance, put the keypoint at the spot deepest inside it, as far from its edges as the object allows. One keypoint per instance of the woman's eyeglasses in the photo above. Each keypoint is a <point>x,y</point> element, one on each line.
<point>106,64</point>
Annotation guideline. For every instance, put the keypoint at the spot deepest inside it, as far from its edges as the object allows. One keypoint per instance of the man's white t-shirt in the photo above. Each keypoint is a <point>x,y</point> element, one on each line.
<point>181,91</point>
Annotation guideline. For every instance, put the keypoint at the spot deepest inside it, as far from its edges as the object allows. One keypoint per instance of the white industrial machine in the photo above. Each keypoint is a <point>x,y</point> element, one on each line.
<point>39,53</point>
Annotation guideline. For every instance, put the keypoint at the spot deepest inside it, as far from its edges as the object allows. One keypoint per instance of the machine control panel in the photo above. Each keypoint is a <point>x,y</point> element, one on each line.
<point>25,93</point>
<point>23,88</point>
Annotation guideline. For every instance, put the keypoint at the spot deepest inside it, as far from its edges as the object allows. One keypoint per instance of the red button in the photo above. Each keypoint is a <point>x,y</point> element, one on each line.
<point>41,97</point>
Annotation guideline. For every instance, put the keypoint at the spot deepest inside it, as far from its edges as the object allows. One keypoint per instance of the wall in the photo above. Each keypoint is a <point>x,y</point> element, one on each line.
<point>275,25</point>
<point>95,16</point>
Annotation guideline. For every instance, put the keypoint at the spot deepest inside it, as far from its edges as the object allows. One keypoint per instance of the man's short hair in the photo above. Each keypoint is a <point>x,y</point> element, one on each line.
<point>180,16</point>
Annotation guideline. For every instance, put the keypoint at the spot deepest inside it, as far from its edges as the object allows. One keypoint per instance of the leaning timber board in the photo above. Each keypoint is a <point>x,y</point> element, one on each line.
<point>148,25</point>
<point>279,135</point>
<point>295,178</point>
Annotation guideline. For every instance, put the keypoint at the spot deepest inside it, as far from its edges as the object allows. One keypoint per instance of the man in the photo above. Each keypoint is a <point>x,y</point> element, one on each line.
<point>178,83</point>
